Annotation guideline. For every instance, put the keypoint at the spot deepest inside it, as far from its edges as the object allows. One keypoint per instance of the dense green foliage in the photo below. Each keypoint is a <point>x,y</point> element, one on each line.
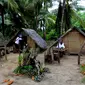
<point>52,35</point>
<point>34,14</point>
<point>68,17</point>
<point>76,22</point>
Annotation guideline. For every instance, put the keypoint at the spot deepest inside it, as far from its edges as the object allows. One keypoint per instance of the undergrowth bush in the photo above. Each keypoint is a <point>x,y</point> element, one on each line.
<point>51,35</point>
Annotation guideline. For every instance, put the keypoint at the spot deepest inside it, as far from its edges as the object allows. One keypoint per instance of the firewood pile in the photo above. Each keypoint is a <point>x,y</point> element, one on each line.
<point>27,64</point>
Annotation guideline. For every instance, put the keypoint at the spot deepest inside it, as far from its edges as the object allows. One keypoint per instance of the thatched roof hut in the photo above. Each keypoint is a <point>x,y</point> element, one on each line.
<point>32,38</point>
<point>36,37</point>
<point>73,39</point>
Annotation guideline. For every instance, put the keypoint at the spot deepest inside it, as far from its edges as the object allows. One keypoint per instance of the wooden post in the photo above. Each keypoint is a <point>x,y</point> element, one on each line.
<point>78,59</point>
<point>5,52</point>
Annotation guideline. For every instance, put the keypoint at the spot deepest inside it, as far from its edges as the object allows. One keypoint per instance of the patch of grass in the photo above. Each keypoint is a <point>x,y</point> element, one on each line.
<point>83,80</point>
<point>82,70</point>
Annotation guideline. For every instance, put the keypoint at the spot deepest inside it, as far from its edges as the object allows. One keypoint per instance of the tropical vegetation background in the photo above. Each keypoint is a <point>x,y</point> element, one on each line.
<point>35,14</point>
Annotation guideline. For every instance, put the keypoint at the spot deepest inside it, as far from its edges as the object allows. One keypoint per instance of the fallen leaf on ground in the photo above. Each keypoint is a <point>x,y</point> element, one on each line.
<point>10,82</point>
<point>6,80</point>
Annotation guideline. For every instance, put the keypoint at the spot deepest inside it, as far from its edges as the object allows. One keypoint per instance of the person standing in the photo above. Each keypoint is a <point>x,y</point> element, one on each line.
<point>18,42</point>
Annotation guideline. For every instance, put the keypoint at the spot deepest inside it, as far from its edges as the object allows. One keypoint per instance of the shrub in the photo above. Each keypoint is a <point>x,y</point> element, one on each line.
<point>51,35</point>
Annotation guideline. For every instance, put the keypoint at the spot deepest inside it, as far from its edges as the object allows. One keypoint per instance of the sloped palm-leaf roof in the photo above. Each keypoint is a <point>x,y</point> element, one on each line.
<point>37,38</point>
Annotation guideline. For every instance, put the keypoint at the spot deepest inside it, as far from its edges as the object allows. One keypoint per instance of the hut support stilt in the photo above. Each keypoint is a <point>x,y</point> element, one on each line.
<point>79,59</point>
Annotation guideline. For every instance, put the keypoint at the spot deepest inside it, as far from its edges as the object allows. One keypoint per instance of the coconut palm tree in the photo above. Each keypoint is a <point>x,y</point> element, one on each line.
<point>23,13</point>
<point>65,13</point>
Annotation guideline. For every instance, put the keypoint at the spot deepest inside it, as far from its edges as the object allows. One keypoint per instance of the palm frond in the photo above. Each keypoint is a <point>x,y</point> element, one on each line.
<point>53,21</point>
<point>13,5</point>
<point>1,2</point>
<point>77,18</point>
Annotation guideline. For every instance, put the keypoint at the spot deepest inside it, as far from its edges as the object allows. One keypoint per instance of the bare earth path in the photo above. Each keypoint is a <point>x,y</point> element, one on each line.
<point>67,73</point>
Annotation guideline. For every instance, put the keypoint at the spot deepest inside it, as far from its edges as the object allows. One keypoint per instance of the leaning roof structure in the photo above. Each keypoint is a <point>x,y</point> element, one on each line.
<point>36,37</point>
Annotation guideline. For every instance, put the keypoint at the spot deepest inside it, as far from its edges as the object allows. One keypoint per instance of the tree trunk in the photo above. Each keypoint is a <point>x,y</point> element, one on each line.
<point>36,21</point>
<point>2,14</point>
<point>62,19</point>
<point>58,20</point>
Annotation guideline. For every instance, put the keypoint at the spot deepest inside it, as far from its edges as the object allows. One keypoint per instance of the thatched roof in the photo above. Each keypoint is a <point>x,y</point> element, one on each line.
<point>37,38</point>
<point>80,31</point>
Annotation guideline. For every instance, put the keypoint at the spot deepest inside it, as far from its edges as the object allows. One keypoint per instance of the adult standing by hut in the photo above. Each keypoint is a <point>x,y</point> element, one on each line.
<point>19,42</point>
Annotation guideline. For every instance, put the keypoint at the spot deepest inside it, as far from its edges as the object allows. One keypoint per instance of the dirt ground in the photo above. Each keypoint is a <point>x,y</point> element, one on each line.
<point>67,73</point>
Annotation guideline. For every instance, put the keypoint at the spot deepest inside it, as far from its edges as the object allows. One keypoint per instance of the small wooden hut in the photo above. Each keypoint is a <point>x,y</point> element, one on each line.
<point>31,37</point>
<point>73,39</point>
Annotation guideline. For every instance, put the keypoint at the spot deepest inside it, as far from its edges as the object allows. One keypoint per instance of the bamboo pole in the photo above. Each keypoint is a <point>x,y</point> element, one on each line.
<point>79,59</point>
